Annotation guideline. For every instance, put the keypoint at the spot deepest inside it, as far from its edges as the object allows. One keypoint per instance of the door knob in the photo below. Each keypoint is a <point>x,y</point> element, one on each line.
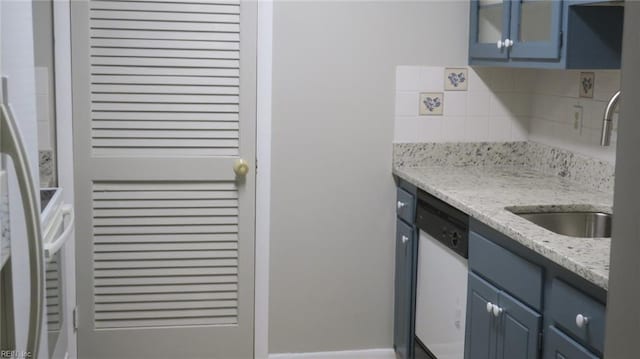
<point>241,167</point>
<point>500,44</point>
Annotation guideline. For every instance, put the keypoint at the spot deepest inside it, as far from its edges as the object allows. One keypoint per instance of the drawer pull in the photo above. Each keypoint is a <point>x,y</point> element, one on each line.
<point>582,321</point>
<point>401,205</point>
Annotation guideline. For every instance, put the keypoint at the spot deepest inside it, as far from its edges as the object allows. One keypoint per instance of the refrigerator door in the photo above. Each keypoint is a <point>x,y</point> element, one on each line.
<point>11,145</point>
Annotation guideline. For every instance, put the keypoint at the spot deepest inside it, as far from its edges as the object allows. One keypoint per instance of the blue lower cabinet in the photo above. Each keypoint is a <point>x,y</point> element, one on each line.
<point>519,334</point>
<point>559,346</point>
<point>406,250</point>
<point>498,325</point>
<point>481,331</point>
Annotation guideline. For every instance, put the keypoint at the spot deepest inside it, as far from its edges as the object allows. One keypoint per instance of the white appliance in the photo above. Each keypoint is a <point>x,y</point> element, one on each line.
<point>441,293</point>
<point>13,146</point>
<point>39,271</point>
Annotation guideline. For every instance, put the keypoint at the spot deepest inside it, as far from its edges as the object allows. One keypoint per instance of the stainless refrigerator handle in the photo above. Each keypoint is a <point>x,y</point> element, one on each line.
<point>11,145</point>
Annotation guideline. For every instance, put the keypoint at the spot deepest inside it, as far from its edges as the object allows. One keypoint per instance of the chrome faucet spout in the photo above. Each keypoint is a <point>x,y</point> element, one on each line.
<point>607,119</point>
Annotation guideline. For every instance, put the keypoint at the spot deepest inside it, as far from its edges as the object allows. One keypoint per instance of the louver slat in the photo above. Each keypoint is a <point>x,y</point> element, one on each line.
<point>161,258</point>
<point>53,294</point>
<point>172,65</point>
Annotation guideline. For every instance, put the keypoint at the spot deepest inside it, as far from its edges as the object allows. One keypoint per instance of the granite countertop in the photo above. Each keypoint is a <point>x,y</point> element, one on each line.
<point>485,189</point>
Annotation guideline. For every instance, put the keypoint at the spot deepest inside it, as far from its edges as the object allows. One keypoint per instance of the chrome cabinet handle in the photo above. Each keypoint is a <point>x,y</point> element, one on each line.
<point>405,239</point>
<point>11,145</point>
<point>50,249</point>
<point>401,205</point>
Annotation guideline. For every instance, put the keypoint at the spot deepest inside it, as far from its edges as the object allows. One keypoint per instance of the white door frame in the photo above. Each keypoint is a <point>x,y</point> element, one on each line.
<point>263,178</point>
<point>64,149</point>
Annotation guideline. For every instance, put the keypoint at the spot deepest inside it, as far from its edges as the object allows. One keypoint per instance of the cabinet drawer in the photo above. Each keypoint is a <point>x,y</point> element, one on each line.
<point>559,345</point>
<point>406,206</point>
<point>566,303</point>
<point>513,274</point>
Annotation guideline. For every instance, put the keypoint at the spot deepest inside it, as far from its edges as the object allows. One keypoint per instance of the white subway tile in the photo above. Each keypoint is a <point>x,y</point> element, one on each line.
<point>476,129</point>
<point>406,103</point>
<point>408,129</point>
<point>431,128</point>
<point>499,128</point>
<point>607,83</point>
<point>498,107</point>
<point>519,128</point>
<point>478,103</point>
<point>502,79</point>
<point>453,128</point>
<point>455,103</point>
<point>479,79</point>
<point>432,79</point>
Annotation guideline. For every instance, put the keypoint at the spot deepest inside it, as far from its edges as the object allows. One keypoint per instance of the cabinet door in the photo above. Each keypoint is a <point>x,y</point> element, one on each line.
<point>519,329</point>
<point>404,290</point>
<point>481,326</point>
<point>536,29</point>
<point>489,24</point>
<point>558,345</point>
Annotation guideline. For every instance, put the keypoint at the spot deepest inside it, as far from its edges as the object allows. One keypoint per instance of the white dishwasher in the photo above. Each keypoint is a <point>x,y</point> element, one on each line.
<point>441,293</point>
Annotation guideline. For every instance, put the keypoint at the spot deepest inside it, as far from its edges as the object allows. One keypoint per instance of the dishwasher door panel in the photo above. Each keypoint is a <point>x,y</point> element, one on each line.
<point>441,298</point>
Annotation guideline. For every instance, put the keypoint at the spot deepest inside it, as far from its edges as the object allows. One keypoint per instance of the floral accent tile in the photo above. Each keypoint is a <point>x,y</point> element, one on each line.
<point>431,104</point>
<point>47,170</point>
<point>587,83</point>
<point>456,79</point>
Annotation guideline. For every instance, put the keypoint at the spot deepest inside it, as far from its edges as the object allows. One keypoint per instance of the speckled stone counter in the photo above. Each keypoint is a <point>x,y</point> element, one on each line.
<point>485,188</point>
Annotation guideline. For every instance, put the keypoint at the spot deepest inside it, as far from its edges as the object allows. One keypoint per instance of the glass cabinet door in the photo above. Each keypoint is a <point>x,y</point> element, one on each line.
<point>489,28</point>
<point>535,29</point>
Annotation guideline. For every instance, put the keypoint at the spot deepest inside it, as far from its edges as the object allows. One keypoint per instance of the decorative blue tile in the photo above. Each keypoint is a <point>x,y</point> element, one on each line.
<point>587,83</point>
<point>456,79</point>
<point>431,104</point>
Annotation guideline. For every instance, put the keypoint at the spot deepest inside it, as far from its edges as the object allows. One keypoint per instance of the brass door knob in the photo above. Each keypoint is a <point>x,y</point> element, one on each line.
<point>241,167</point>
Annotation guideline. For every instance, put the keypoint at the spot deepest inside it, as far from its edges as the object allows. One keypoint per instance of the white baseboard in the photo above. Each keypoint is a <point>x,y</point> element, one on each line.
<point>350,354</point>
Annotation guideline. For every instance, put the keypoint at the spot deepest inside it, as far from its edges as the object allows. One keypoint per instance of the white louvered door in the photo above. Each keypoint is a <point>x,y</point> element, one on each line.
<point>164,104</point>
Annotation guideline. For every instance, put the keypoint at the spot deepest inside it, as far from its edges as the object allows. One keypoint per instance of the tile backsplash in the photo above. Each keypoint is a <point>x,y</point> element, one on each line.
<point>555,95</point>
<point>476,106</point>
<point>502,104</point>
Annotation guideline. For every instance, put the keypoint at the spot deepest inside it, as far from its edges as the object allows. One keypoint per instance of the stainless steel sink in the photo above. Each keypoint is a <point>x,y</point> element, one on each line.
<point>573,224</point>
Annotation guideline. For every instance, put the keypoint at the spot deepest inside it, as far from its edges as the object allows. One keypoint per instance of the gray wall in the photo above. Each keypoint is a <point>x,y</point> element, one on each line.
<point>332,199</point>
<point>623,312</point>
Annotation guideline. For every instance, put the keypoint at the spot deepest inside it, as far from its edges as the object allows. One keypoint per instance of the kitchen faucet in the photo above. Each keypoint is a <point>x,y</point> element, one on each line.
<point>607,120</point>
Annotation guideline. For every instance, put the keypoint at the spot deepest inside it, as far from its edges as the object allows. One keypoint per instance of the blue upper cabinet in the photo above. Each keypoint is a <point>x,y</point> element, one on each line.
<point>488,29</point>
<point>569,34</point>
<point>535,31</point>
